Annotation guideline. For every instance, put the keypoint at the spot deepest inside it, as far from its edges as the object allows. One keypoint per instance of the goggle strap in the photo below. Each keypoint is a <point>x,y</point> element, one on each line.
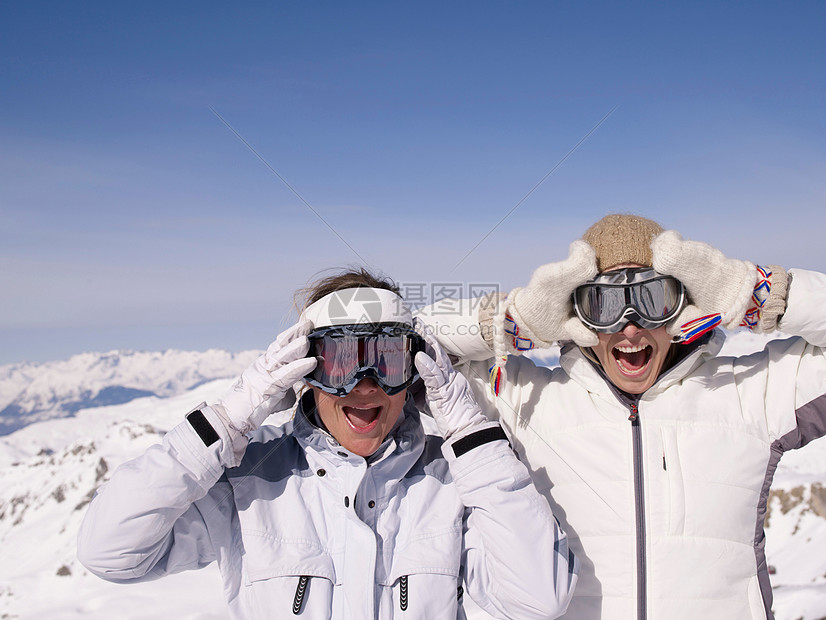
<point>691,331</point>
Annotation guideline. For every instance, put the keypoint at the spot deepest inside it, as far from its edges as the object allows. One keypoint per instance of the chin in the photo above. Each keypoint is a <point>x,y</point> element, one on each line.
<point>634,388</point>
<point>635,385</point>
<point>362,448</point>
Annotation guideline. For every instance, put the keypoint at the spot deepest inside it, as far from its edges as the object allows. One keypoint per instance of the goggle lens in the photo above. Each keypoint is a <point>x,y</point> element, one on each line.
<point>642,295</point>
<point>347,355</point>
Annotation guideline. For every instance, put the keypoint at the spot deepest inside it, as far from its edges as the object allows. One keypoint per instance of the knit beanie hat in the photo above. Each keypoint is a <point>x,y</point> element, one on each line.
<point>618,239</point>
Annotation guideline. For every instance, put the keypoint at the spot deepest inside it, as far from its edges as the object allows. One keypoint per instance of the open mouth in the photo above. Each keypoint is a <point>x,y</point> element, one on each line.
<point>362,419</point>
<point>632,360</point>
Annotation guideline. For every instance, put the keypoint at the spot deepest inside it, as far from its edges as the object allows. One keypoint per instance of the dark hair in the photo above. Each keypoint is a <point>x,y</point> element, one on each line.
<point>352,277</point>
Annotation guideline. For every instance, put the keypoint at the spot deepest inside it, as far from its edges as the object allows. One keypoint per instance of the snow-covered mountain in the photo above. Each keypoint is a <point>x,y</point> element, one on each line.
<point>36,392</point>
<point>52,466</point>
<point>50,472</point>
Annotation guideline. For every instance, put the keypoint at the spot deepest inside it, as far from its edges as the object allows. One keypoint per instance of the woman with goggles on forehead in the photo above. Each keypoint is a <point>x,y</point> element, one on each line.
<point>342,506</point>
<point>656,452</point>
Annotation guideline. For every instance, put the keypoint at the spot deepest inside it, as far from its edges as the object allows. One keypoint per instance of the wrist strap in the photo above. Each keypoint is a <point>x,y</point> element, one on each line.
<point>201,425</point>
<point>479,438</point>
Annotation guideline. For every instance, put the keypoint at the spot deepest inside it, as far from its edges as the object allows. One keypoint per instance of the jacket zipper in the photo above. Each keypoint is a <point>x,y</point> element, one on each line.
<point>639,501</point>
<point>639,487</point>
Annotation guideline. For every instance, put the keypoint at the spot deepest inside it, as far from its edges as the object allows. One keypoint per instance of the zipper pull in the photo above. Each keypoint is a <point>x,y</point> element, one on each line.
<point>634,413</point>
<point>300,591</point>
<point>403,600</point>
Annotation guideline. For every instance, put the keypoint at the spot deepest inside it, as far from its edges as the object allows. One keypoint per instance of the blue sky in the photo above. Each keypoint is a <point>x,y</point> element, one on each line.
<point>133,216</point>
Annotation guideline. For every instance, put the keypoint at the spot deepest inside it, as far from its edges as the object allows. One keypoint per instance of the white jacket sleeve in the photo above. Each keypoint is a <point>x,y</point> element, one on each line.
<point>521,571</point>
<point>804,315</point>
<point>143,523</point>
<point>795,393</point>
<point>455,324</point>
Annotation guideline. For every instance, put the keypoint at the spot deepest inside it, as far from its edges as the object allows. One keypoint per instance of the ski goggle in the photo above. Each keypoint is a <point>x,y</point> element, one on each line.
<point>349,353</point>
<point>638,294</point>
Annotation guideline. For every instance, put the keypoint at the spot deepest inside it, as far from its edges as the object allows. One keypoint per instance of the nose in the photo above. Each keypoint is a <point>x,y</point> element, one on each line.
<point>631,329</point>
<point>366,386</point>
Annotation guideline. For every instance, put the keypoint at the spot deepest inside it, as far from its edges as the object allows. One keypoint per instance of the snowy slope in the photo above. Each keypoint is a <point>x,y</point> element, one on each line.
<point>50,472</point>
<point>51,468</point>
<point>35,392</point>
<point>796,533</point>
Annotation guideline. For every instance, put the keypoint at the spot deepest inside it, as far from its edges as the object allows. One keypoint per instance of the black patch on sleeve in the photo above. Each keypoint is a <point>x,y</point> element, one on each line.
<point>479,438</point>
<point>202,426</point>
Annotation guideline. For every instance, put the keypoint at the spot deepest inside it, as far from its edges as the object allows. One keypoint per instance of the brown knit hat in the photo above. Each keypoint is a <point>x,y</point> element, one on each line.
<point>620,238</point>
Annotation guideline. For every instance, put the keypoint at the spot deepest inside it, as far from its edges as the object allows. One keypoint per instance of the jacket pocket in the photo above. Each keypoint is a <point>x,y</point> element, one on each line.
<point>286,578</point>
<point>673,471</point>
<point>425,578</point>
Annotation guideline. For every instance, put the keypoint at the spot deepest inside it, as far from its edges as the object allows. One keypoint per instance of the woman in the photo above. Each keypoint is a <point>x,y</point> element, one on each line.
<point>656,453</point>
<point>346,509</point>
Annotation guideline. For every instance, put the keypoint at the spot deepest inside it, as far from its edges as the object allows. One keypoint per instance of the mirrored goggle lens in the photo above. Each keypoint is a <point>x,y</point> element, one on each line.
<point>345,359</point>
<point>655,300</point>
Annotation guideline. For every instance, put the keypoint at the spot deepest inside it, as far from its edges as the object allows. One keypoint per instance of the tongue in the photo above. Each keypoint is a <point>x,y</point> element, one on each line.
<point>361,417</point>
<point>632,361</point>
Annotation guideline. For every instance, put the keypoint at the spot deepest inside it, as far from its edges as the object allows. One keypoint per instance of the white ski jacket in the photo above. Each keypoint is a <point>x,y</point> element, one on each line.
<point>305,527</point>
<point>663,495</point>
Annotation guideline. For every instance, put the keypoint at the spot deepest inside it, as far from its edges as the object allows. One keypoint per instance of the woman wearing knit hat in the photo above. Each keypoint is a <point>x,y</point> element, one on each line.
<point>656,452</point>
<point>342,506</point>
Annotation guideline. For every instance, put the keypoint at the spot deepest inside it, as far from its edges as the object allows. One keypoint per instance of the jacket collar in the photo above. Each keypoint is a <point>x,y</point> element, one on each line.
<point>590,375</point>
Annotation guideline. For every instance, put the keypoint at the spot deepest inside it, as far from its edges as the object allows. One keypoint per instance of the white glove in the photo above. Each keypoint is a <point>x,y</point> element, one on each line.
<point>448,393</point>
<point>716,284</point>
<point>543,310</point>
<point>266,386</point>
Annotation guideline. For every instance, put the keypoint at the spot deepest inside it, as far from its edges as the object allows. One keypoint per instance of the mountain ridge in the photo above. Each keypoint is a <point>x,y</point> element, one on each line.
<point>37,392</point>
